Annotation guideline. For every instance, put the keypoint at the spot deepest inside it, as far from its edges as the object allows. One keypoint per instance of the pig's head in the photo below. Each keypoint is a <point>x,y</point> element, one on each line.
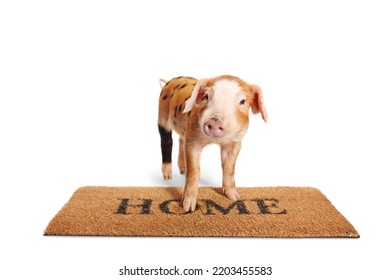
<point>224,104</point>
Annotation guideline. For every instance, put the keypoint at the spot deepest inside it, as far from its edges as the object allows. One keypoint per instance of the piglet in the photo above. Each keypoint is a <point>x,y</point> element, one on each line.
<point>202,112</point>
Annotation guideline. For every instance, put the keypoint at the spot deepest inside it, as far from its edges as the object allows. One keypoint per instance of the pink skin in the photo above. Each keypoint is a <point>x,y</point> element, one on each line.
<point>214,127</point>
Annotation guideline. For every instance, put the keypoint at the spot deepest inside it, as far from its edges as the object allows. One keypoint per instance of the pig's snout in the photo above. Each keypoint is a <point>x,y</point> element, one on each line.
<point>214,127</point>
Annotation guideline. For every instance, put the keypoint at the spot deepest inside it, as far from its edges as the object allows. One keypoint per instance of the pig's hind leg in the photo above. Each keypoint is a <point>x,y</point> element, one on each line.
<point>182,158</point>
<point>166,152</point>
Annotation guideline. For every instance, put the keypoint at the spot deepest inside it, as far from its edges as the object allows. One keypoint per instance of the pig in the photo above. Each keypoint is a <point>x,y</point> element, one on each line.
<point>202,112</point>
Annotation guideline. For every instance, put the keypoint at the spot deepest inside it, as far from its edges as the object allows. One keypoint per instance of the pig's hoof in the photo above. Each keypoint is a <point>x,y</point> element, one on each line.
<point>182,171</point>
<point>182,166</point>
<point>167,176</point>
<point>167,171</point>
<point>231,194</point>
<point>189,203</point>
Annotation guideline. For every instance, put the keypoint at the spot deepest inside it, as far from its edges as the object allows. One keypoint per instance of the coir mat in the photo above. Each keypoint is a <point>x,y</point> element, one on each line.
<point>156,211</point>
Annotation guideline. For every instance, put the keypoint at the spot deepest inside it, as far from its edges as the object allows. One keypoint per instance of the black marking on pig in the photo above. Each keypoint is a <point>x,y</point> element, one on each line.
<point>179,108</point>
<point>177,86</point>
<point>165,97</point>
<point>172,95</point>
<point>183,86</point>
<point>166,144</point>
<point>185,77</point>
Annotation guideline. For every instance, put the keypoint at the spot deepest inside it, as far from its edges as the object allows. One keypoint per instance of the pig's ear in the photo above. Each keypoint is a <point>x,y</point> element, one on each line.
<point>196,96</point>
<point>258,102</point>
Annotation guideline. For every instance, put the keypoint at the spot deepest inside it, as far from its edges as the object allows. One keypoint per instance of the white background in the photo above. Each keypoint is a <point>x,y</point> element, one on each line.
<point>78,106</point>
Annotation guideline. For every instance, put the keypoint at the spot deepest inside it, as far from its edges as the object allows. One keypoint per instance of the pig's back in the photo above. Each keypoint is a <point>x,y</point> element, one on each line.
<point>172,103</point>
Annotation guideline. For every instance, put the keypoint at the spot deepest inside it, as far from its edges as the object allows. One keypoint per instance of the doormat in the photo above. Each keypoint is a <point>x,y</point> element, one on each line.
<point>156,211</point>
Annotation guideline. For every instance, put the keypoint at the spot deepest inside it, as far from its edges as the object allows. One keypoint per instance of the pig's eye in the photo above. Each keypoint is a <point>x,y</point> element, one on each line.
<point>242,102</point>
<point>206,97</point>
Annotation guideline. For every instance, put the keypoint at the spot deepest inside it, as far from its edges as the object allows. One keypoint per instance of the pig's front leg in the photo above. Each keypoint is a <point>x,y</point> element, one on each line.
<point>229,153</point>
<point>192,157</point>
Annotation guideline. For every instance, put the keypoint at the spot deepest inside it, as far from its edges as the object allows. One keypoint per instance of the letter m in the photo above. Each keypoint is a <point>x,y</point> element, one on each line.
<point>211,204</point>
